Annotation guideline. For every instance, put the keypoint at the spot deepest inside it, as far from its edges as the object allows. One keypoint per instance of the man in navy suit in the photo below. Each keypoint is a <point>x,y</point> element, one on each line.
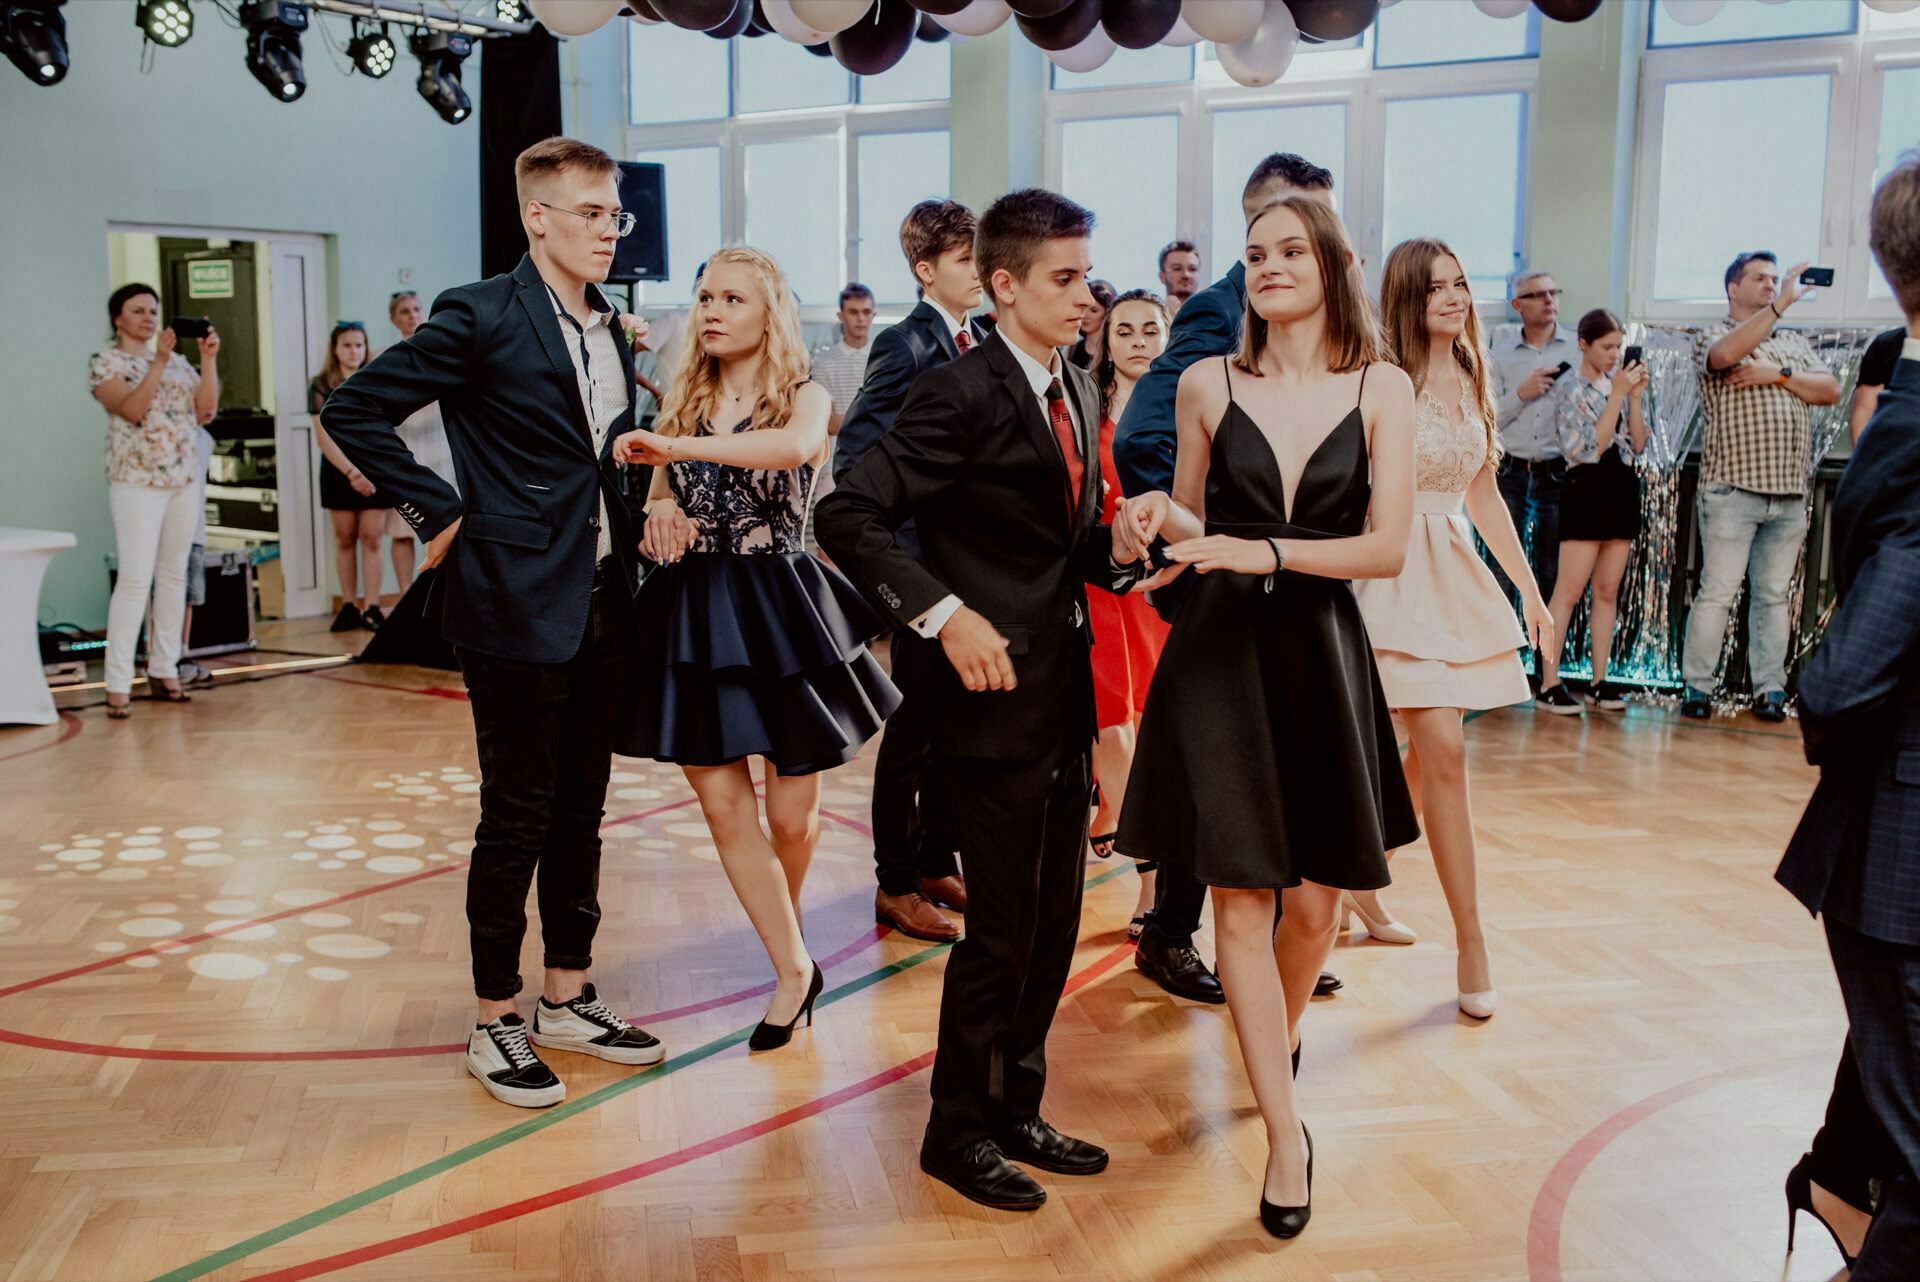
<point>1208,324</point>
<point>913,843</point>
<point>1855,858</point>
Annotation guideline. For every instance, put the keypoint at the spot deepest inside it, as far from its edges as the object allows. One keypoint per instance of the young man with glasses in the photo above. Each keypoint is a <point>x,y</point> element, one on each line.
<point>534,377</point>
<point>1527,360</point>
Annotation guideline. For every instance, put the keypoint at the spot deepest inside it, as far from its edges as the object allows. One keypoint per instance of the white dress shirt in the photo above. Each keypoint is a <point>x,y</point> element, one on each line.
<point>604,390</point>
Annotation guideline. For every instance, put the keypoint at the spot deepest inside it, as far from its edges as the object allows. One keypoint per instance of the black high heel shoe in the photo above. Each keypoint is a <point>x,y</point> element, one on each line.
<point>1288,1221</point>
<point>771,1037</point>
<point>1800,1198</point>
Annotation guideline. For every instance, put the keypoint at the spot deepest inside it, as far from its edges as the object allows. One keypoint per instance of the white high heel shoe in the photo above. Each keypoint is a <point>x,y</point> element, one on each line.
<point>1385,929</point>
<point>1480,1005</point>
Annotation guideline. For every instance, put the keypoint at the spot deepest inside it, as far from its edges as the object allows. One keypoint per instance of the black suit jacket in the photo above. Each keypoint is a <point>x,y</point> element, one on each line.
<point>518,579</point>
<point>973,459</point>
<point>1856,855</point>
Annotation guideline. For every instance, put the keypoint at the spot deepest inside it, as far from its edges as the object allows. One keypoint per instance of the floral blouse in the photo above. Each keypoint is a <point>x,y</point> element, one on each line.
<point>160,451</point>
<point>1578,407</point>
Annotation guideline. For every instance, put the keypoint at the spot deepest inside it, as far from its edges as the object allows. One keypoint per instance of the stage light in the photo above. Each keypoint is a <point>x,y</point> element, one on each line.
<point>440,54</point>
<point>34,35</point>
<point>273,46</point>
<point>165,22</point>
<point>510,10</point>
<point>372,50</point>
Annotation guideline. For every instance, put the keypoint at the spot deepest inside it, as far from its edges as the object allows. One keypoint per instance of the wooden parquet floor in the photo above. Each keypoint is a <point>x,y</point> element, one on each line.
<point>233,977</point>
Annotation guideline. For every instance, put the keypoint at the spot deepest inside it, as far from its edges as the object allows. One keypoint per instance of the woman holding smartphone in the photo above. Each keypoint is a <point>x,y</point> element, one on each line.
<point>1602,421</point>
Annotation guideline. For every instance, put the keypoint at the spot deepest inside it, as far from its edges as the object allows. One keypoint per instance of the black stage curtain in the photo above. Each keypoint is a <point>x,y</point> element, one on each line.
<point>519,105</point>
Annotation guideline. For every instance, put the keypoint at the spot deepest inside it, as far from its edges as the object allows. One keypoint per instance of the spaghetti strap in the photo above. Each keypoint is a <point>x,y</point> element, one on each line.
<point>1361,394</point>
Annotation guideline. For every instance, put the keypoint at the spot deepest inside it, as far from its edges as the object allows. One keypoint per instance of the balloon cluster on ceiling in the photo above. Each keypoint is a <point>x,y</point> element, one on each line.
<point>1255,39</point>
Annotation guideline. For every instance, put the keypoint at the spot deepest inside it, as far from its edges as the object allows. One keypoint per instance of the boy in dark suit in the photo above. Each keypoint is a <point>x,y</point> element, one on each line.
<point>1855,859</point>
<point>995,455</point>
<point>534,378</point>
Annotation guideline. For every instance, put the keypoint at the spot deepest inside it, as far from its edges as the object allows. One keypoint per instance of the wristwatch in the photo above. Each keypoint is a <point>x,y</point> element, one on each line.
<point>1786,374</point>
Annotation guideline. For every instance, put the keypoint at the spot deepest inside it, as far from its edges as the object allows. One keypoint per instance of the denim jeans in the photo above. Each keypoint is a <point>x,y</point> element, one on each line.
<point>1755,537</point>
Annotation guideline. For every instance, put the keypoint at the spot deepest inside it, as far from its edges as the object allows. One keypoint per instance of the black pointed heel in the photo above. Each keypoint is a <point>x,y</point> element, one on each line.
<point>771,1037</point>
<point>1288,1221</point>
<point>1800,1198</point>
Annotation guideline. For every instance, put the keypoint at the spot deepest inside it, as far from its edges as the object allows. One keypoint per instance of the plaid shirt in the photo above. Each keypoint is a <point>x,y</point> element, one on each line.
<point>1758,438</point>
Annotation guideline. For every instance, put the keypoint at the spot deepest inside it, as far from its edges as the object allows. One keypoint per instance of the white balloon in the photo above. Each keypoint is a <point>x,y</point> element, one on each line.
<point>787,27</point>
<point>1893,6</point>
<point>1088,55</point>
<point>627,12</point>
<point>980,18</point>
<point>1225,22</point>
<point>1502,8</point>
<point>830,16</point>
<point>1182,35</point>
<point>1691,13</point>
<point>573,17</point>
<point>1264,56</point>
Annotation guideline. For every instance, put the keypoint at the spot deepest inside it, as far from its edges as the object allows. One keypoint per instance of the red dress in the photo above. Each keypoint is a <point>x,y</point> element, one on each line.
<point>1127,635</point>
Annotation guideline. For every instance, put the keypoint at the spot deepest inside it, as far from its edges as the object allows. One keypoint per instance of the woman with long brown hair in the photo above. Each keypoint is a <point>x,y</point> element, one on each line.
<point>1265,765</point>
<point>749,646</point>
<point>1443,634</point>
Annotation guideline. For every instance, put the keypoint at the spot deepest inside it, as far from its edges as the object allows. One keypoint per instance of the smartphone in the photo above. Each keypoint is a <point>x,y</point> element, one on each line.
<point>192,326</point>
<point>1817,276</point>
<point>1562,368</point>
<point>1635,355</point>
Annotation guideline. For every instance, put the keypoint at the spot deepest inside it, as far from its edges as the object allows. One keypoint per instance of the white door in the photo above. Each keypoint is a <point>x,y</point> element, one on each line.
<point>298,282</point>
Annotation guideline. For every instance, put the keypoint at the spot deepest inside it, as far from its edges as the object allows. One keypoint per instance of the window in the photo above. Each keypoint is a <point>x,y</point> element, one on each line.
<point>675,75</point>
<point>1745,20</point>
<point>896,172</point>
<point>1162,64</point>
<point>693,218</point>
<point>776,75</point>
<point>1899,133</point>
<point>795,198</point>
<point>1241,139</point>
<point>1717,203</point>
<point>1437,31</point>
<point>1454,169</point>
<point>1122,170</point>
<point>924,75</point>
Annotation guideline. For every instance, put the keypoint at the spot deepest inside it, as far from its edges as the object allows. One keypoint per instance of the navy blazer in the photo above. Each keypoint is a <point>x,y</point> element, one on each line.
<point>1856,854</point>
<point>518,579</point>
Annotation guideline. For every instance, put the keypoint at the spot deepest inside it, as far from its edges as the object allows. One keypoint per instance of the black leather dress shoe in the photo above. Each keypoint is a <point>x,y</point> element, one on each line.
<point>1038,1144</point>
<point>1328,984</point>
<point>980,1171</point>
<point>1178,969</point>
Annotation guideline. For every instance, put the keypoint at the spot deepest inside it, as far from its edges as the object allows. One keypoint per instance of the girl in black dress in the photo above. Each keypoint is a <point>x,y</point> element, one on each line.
<point>359,514</point>
<point>749,646</point>
<point>1266,766</point>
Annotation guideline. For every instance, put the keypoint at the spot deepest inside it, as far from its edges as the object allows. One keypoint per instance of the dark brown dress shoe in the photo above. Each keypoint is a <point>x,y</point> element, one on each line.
<point>913,916</point>
<point>946,892</point>
<point>980,1172</point>
<point>1038,1144</point>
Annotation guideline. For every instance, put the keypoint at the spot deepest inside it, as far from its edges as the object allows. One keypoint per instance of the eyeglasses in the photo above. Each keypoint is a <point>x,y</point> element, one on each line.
<point>597,220</point>
<point>1538,294</point>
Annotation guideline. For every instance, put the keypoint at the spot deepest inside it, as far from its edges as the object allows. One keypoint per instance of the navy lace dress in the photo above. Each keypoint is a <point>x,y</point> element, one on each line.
<point>749,646</point>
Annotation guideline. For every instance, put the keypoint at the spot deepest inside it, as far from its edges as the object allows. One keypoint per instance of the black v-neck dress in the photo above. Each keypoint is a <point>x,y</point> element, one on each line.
<point>1266,755</point>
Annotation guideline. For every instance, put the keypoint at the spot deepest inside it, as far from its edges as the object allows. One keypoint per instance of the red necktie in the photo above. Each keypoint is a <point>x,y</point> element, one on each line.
<point>961,341</point>
<point>1069,443</point>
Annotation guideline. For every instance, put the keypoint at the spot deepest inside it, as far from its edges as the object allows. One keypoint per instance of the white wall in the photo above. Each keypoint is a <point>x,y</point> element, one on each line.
<point>195,143</point>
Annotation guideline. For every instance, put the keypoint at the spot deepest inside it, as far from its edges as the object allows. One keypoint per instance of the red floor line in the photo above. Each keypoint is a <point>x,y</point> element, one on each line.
<point>70,725</point>
<point>653,1166</point>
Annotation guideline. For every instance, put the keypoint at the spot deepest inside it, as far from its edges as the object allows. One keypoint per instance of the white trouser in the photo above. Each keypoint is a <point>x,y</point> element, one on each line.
<point>154,531</point>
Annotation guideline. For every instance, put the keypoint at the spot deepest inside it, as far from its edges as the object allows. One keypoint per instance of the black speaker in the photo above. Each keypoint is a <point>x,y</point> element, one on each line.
<point>642,253</point>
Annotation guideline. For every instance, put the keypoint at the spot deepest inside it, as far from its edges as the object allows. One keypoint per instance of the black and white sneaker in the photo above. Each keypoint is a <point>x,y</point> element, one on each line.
<point>1556,700</point>
<point>588,1025</point>
<point>498,1055</point>
<point>1607,697</point>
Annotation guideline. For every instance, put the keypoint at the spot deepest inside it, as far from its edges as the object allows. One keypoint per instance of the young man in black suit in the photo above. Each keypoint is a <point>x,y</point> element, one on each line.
<point>996,456</point>
<point>1855,859</point>
<point>912,841</point>
<point>534,378</point>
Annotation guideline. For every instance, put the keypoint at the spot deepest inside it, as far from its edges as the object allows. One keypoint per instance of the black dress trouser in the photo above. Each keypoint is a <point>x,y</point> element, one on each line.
<point>1881,984</point>
<point>1022,828</point>
<point>912,838</point>
<point>545,733</point>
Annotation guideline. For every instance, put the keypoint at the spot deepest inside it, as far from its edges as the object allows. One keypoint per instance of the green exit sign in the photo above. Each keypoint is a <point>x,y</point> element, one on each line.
<point>210,279</point>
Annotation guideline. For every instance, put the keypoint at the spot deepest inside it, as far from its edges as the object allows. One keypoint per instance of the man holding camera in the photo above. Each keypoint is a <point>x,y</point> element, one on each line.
<point>1756,386</point>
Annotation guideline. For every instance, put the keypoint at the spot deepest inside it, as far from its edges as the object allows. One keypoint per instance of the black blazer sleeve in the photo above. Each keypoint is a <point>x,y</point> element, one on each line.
<point>363,412</point>
<point>912,466</point>
<point>891,370</point>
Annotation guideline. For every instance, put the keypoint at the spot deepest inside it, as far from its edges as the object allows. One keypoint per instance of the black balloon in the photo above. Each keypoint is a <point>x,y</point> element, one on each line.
<point>930,31</point>
<point>735,23</point>
<point>1568,10</point>
<point>879,40</point>
<point>1039,8</point>
<point>1065,29</point>
<point>821,50</point>
<point>945,8</point>
<point>1139,24</point>
<point>694,15</point>
<point>1333,19</point>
